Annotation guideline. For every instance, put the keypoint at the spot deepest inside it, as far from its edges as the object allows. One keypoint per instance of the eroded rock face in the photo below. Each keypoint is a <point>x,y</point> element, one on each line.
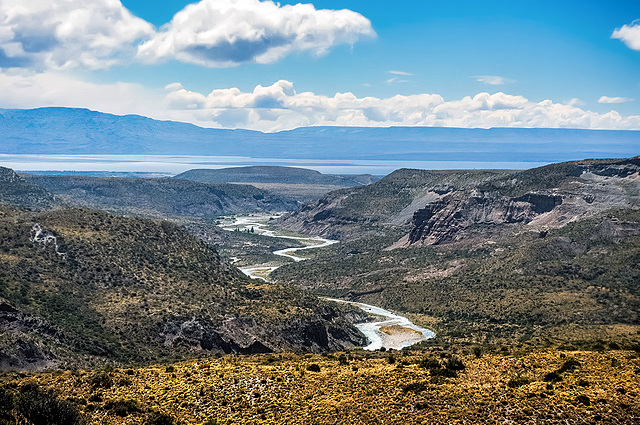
<point>442,221</point>
<point>558,195</point>
<point>244,335</point>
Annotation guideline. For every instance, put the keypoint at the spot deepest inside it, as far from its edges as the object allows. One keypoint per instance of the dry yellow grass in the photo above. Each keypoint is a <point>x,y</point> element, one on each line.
<point>365,389</point>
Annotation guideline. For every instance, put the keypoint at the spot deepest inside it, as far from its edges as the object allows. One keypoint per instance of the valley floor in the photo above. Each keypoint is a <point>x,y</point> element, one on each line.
<point>429,386</point>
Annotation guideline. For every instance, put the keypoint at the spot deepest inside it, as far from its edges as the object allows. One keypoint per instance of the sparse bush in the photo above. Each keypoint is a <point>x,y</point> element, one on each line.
<point>122,407</point>
<point>101,380</point>
<point>414,387</point>
<point>517,382</point>
<point>454,363</point>
<point>342,359</point>
<point>170,369</point>
<point>569,366</point>
<point>391,360</point>
<point>444,373</point>
<point>45,408</point>
<point>313,368</point>
<point>157,418</point>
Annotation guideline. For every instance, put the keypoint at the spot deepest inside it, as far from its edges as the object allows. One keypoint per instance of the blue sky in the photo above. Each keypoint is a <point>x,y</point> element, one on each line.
<point>463,64</point>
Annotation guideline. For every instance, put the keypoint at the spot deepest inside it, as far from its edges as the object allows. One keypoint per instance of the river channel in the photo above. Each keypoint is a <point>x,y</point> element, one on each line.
<point>388,330</point>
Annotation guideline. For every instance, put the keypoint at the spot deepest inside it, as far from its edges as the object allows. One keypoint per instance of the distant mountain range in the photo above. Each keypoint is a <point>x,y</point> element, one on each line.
<point>80,131</point>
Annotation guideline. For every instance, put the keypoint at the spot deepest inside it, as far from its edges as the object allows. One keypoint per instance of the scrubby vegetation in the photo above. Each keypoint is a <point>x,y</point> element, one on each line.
<point>358,387</point>
<point>577,284</point>
<point>92,287</point>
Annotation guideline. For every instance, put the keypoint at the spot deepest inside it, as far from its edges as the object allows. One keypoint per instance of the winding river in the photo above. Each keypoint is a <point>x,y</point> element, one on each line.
<point>389,330</point>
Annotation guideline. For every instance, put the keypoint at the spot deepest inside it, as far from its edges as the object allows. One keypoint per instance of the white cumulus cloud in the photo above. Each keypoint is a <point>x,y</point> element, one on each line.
<point>629,35</point>
<point>62,34</point>
<point>607,99</point>
<point>224,33</point>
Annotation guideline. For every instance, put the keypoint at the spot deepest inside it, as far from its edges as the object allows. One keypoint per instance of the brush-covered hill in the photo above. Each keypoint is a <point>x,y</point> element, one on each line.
<point>548,254</point>
<point>16,191</point>
<point>81,287</point>
<point>160,197</point>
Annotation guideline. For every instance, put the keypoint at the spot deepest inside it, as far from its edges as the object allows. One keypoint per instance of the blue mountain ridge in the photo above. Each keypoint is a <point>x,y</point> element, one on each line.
<point>69,131</point>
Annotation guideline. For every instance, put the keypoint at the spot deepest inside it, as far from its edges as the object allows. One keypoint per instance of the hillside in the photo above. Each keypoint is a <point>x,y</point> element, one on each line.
<point>547,255</point>
<point>160,198</point>
<point>16,191</point>
<point>439,206</point>
<point>81,287</point>
<point>273,174</point>
<point>80,131</point>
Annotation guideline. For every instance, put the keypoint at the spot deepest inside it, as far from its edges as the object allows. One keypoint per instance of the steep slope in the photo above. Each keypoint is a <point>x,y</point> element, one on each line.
<point>385,207</point>
<point>542,198</point>
<point>432,207</point>
<point>80,286</point>
<point>160,197</point>
<point>14,190</point>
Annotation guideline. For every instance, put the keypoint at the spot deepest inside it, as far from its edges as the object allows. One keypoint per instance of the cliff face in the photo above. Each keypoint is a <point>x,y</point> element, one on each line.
<point>573,191</point>
<point>436,207</point>
<point>444,220</point>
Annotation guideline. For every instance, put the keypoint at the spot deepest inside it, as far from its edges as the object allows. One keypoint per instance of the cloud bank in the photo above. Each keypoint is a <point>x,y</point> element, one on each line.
<point>280,107</point>
<point>223,33</point>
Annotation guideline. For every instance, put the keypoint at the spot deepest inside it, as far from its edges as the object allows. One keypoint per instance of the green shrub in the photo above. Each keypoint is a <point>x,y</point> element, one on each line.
<point>429,363</point>
<point>584,400</point>
<point>454,363</point>
<point>552,377</point>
